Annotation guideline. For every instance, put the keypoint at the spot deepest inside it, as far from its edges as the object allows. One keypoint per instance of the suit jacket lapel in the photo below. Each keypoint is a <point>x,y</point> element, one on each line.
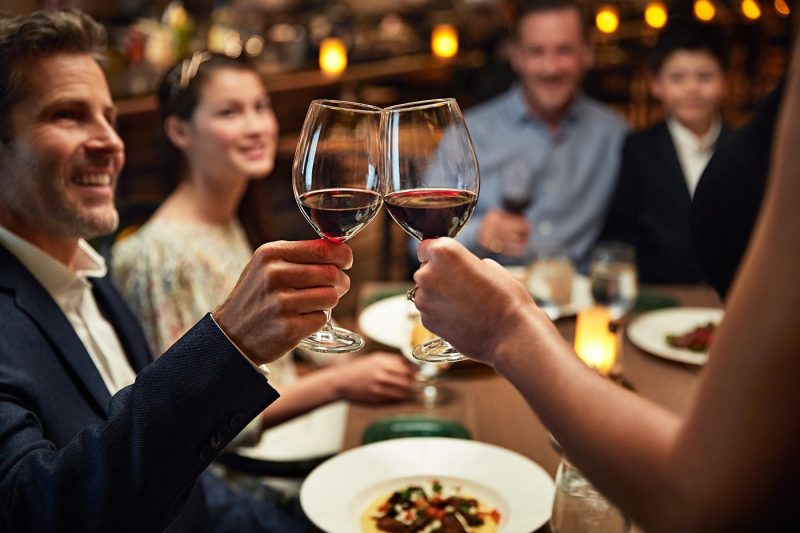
<point>32,299</point>
<point>669,158</point>
<point>125,324</point>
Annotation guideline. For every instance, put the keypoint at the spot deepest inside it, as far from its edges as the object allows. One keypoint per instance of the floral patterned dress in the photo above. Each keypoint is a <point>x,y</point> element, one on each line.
<point>173,272</point>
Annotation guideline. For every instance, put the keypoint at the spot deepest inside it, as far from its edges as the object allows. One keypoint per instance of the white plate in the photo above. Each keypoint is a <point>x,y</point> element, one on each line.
<point>649,331</point>
<point>389,321</point>
<point>338,491</point>
<point>581,297</point>
<point>315,434</point>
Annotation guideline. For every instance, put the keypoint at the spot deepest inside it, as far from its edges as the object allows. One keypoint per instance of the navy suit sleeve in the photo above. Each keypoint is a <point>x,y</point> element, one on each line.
<point>136,470</point>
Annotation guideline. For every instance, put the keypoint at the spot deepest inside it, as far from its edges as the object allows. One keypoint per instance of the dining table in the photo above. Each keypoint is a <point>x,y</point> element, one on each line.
<point>492,410</point>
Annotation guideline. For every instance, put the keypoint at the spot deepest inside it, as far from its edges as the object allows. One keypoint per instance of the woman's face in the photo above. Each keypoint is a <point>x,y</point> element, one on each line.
<point>233,132</point>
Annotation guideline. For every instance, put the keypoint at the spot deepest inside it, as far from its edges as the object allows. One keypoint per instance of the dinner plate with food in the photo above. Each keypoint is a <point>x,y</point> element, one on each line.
<point>424,483</point>
<point>682,334</point>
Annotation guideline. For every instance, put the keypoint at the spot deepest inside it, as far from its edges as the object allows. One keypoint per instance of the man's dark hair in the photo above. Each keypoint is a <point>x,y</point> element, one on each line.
<point>26,38</point>
<point>684,34</point>
<point>529,7</point>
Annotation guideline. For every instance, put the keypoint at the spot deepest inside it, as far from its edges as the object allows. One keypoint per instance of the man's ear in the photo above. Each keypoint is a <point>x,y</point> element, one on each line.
<point>176,131</point>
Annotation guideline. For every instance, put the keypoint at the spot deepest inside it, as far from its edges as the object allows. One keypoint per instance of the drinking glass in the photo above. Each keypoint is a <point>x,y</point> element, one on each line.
<point>579,508</point>
<point>336,184</point>
<point>427,392</point>
<point>431,181</point>
<point>613,278</point>
<point>550,280</point>
<point>516,183</point>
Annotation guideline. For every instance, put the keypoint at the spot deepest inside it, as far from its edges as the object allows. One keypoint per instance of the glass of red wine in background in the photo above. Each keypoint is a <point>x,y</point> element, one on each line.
<point>517,183</point>
<point>431,180</point>
<point>337,186</point>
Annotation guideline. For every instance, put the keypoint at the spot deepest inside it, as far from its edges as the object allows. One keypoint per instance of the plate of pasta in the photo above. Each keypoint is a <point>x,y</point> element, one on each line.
<point>422,483</point>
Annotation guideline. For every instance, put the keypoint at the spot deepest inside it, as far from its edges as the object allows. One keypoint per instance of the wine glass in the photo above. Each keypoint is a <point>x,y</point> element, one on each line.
<point>613,278</point>
<point>426,392</point>
<point>337,186</point>
<point>517,182</point>
<point>431,181</point>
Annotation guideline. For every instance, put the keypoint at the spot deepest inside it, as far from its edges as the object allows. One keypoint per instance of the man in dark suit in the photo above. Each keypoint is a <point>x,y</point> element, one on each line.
<point>662,164</point>
<point>82,446</point>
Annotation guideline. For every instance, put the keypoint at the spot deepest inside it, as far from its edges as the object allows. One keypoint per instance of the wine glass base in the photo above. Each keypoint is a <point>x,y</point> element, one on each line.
<point>333,340</point>
<point>437,351</point>
<point>430,395</point>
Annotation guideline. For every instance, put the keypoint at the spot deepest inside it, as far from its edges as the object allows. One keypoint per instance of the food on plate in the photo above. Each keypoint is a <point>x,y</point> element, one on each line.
<point>697,339</point>
<point>429,508</point>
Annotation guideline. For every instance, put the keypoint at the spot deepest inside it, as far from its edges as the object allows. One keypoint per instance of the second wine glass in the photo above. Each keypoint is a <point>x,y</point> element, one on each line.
<point>431,180</point>
<point>337,186</point>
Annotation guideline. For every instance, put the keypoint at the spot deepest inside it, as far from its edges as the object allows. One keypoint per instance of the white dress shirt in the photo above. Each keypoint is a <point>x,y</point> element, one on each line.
<point>693,151</point>
<point>72,291</point>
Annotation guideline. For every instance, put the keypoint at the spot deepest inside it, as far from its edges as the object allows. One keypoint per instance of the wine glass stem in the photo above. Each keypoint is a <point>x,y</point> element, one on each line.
<point>328,327</point>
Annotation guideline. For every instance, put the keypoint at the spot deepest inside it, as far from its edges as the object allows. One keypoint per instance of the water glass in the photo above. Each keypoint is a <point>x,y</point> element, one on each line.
<point>579,508</point>
<point>550,280</point>
<point>612,273</point>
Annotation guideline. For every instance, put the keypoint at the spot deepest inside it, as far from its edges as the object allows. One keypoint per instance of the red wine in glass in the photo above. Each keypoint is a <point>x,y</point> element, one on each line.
<point>516,205</point>
<point>338,214</point>
<point>431,213</point>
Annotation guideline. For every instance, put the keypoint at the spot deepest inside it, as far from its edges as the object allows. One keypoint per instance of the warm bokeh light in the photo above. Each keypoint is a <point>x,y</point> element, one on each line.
<point>705,10</point>
<point>655,14</point>
<point>782,8</point>
<point>332,56</point>
<point>751,9</point>
<point>607,19</point>
<point>444,40</point>
<point>254,45</point>
<point>594,343</point>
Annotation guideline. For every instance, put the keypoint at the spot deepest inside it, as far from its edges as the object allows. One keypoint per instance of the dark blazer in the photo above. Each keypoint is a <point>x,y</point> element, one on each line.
<point>651,205</point>
<point>72,458</point>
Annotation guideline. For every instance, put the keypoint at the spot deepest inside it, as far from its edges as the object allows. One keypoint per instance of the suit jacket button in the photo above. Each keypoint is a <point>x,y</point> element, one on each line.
<point>224,433</point>
<point>216,443</point>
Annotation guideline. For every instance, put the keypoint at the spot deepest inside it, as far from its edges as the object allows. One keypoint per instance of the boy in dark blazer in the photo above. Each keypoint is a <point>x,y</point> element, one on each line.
<point>662,164</point>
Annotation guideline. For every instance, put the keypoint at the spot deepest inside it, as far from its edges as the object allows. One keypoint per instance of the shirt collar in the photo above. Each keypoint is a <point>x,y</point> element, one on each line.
<point>521,113</point>
<point>54,276</point>
<point>688,140</point>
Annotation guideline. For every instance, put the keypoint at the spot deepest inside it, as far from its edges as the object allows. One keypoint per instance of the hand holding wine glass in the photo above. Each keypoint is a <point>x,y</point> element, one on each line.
<point>337,187</point>
<point>431,180</point>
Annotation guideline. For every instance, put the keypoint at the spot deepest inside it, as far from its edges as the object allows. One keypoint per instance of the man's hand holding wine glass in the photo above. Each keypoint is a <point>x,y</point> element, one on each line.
<point>504,233</point>
<point>281,296</point>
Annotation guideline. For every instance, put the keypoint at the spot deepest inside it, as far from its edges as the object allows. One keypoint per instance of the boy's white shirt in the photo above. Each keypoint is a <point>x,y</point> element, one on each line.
<point>693,151</point>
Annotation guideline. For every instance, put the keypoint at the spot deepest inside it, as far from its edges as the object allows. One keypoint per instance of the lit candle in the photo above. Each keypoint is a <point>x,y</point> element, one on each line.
<point>594,343</point>
<point>444,40</point>
<point>332,56</point>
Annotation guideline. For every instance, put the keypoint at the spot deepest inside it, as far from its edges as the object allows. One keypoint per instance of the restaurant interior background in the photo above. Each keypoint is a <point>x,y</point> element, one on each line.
<point>382,52</point>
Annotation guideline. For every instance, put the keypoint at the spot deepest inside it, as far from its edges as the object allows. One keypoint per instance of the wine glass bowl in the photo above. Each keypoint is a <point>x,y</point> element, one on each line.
<point>431,180</point>
<point>336,182</point>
